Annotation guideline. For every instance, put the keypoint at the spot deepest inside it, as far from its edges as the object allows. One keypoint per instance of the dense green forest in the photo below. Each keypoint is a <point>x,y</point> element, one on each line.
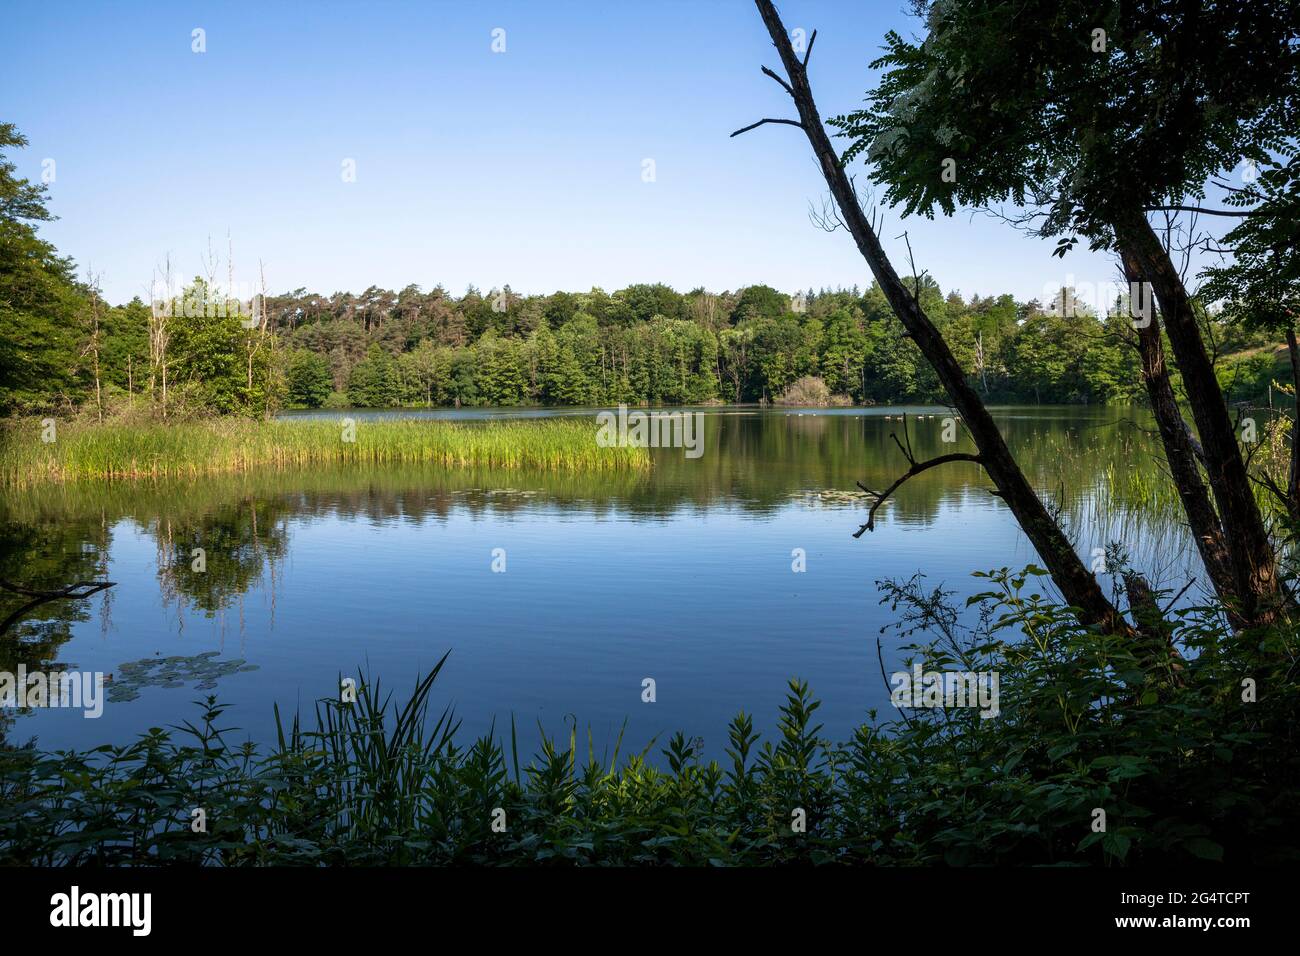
<point>66,348</point>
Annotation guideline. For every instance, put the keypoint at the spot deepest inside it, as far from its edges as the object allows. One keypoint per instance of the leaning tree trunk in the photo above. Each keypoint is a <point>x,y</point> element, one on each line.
<point>1077,584</point>
<point>1293,472</point>
<point>1180,453</point>
<point>1250,553</point>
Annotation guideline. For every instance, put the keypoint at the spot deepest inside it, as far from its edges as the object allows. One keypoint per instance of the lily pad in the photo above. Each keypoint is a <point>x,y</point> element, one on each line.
<point>203,670</point>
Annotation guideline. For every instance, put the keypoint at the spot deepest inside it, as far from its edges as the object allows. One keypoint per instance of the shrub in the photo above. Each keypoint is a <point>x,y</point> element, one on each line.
<point>811,391</point>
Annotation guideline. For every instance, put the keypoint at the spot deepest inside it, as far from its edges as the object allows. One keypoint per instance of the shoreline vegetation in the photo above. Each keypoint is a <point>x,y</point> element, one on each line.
<point>1101,755</point>
<point>221,446</point>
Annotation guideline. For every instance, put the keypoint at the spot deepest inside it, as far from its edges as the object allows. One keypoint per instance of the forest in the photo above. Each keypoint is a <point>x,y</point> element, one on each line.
<point>195,349</point>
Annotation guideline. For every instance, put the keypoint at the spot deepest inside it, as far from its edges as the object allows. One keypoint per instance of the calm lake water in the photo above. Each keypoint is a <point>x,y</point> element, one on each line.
<point>683,574</point>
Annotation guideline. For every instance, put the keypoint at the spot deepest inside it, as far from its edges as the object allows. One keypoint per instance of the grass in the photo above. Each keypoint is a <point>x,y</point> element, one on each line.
<point>222,446</point>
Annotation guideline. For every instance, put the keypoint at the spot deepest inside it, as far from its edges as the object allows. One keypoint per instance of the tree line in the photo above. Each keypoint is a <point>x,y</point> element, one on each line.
<point>651,344</point>
<point>199,349</point>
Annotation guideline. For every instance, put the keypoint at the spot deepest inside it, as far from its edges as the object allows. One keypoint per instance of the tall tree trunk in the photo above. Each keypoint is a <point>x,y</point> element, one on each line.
<point>1250,553</point>
<point>1076,583</point>
<point>1293,473</point>
<point>1179,452</point>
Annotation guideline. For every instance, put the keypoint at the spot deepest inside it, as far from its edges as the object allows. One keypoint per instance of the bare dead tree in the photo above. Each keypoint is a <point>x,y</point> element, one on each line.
<point>981,364</point>
<point>211,263</point>
<point>264,334</point>
<point>160,333</point>
<point>230,276</point>
<point>92,342</point>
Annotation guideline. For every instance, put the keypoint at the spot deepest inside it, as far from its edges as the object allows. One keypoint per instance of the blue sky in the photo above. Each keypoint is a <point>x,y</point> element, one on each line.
<point>523,167</point>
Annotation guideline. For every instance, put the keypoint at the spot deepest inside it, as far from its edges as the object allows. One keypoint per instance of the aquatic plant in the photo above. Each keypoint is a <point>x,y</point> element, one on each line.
<point>203,669</point>
<point>215,446</point>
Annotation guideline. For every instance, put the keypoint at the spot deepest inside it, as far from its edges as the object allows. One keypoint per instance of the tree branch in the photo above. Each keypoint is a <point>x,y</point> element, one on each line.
<point>70,591</point>
<point>914,469</point>
<point>787,122</point>
<point>786,86</point>
<point>1242,214</point>
<point>79,590</point>
<point>912,472</point>
<point>808,52</point>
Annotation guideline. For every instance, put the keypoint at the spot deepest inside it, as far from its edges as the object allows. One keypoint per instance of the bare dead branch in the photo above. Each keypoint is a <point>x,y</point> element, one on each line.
<point>911,264</point>
<point>1185,588</point>
<point>787,122</point>
<point>772,73</point>
<point>828,217</point>
<point>916,469</point>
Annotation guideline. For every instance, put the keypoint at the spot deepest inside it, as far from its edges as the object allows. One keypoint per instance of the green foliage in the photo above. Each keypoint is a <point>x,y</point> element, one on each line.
<point>647,343</point>
<point>309,381</point>
<point>843,355</point>
<point>1185,769</point>
<point>1246,378</point>
<point>759,302</point>
<point>374,382</point>
<point>41,302</point>
<point>1261,287</point>
<point>1025,102</point>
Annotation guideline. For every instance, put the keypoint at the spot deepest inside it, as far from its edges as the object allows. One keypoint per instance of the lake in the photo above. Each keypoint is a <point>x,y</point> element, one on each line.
<point>684,574</point>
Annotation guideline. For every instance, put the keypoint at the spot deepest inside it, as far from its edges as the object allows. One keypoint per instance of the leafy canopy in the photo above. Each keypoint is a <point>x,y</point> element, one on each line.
<point>1084,110</point>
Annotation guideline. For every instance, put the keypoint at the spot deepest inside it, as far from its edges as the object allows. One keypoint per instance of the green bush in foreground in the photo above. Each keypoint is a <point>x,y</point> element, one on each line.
<point>1185,769</point>
<point>213,446</point>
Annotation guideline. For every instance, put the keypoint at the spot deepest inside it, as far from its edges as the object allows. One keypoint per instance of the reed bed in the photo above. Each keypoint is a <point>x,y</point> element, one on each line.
<point>220,446</point>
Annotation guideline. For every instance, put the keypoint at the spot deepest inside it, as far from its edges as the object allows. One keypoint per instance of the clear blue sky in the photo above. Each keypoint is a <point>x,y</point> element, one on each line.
<point>523,167</point>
